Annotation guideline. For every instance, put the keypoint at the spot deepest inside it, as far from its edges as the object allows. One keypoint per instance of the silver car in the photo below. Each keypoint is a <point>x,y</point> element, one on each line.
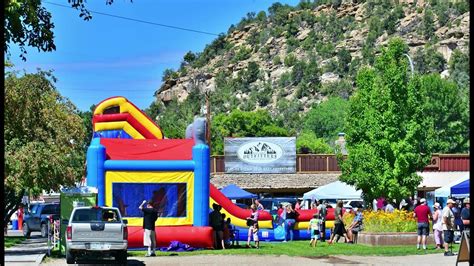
<point>96,231</point>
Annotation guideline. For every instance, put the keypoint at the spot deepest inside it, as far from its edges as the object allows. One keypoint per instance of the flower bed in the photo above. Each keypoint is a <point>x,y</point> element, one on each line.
<point>381,228</point>
<point>380,221</point>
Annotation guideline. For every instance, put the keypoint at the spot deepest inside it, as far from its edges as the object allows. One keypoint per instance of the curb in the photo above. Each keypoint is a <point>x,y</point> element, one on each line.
<point>39,259</point>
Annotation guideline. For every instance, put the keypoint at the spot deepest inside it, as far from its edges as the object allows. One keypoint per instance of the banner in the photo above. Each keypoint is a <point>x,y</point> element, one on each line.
<point>260,155</point>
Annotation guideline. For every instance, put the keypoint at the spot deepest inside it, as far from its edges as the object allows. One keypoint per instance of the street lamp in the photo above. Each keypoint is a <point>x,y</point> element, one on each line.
<point>411,64</point>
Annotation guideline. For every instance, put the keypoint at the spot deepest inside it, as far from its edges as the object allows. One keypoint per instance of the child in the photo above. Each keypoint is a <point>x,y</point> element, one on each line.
<point>255,235</point>
<point>314,225</point>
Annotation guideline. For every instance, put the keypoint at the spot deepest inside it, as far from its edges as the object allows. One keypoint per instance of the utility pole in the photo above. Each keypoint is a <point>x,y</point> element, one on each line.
<point>208,118</point>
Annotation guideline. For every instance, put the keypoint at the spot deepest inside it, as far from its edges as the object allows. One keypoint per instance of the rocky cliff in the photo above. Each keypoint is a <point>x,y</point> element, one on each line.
<point>264,50</point>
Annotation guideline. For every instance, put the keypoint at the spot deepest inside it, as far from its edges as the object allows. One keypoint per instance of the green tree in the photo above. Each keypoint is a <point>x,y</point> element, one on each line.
<point>389,134</point>
<point>169,74</point>
<point>44,139</point>
<point>428,26</point>
<point>242,124</point>
<point>428,60</point>
<point>344,58</point>
<point>28,23</point>
<point>449,109</point>
<point>307,142</point>
<point>327,118</point>
<point>189,57</point>
<point>87,123</point>
<point>459,68</point>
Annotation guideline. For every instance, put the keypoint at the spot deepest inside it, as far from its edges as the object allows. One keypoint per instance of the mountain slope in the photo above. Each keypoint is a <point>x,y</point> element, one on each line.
<point>309,52</point>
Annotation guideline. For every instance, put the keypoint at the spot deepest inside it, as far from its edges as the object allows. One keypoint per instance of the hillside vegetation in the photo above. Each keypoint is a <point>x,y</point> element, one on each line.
<point>291,70</point>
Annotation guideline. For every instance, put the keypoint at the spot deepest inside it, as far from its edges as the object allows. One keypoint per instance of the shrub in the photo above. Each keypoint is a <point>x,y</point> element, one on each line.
<point>169,74</point>
<point>307,142</point>
<point>428,27</point>
<point>276,60</point>
<point>189,57</point>
<point>290,60</point>
<point>297,72</point>
<point>285,79</point>
<point>242,54</point>
<point>342,88</point>
<point>429,60</point>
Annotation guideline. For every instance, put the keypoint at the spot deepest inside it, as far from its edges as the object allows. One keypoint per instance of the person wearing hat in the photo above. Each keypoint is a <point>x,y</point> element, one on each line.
<point>465,215</point>
<point>448,226</point>
<point>422,213</point>
<point>437,225</point>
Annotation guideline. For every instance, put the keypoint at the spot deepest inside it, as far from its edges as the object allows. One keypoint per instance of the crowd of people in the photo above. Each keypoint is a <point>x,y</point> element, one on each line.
<point>445,222</point>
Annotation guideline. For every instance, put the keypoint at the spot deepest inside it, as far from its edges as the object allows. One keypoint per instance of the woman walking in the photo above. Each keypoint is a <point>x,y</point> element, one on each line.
<point>289,222</point>
<point>339,228</point>
<point>437,225</point>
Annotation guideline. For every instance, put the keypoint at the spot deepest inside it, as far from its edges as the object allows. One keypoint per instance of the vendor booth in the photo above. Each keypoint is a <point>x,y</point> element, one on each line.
<point>334,190</point>
<point>460,190</point>
<point>444,192</point>
<point>234,192</point>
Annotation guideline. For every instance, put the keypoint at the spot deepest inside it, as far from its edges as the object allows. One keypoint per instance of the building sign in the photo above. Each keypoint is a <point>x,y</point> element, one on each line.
<point>260,155</point>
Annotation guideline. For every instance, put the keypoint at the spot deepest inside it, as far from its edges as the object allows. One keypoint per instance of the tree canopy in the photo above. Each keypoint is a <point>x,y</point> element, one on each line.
<point>327,119</point>
<point>390,135</point>
<point>243,124</point>
<point>44,138</point>
<point>28,23</point>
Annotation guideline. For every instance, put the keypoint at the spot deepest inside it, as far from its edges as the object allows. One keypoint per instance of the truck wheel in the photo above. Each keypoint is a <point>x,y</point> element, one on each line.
<point>121,257</point>
<point>70,259</point>
<point>44,230</point>
<point>26,230</point>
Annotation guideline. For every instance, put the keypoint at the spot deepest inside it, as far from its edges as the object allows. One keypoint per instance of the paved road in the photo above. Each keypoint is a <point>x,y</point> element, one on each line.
<point>32,251</point>
<point>28,253</point>
<point>230,260</point>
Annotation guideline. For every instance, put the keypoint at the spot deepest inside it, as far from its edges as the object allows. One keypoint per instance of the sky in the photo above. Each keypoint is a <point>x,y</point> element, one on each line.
<point>108,56</point>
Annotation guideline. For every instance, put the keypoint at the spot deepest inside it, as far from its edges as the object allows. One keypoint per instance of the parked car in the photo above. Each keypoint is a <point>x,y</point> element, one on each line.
<point>36,219</point>
<point>271,204</point>
<point>350,204</point>
<point>98,231</point>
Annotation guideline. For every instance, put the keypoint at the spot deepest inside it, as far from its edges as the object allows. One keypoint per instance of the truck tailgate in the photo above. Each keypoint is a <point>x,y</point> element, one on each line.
<point>97,232</point>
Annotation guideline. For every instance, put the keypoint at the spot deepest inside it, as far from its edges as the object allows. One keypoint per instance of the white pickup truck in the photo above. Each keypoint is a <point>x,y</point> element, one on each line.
<point>96,230</point>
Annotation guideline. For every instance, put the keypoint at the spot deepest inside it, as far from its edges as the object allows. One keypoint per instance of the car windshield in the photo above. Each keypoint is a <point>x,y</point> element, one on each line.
<point>96,215</point>
<point>51,209</point>
<point>267,205</point>
<point>34,208</point>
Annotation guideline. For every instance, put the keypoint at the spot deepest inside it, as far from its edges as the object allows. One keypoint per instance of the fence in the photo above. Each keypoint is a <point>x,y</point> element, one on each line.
<point>316,163</point>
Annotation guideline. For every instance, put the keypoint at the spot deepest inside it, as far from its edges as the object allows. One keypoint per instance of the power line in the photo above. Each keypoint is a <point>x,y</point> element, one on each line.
<point>138,20</point>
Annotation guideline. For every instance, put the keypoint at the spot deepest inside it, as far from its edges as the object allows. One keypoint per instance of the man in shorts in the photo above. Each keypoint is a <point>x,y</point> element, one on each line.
<point>422,213</point>
<point>150,215</point>
<point>448,226</point>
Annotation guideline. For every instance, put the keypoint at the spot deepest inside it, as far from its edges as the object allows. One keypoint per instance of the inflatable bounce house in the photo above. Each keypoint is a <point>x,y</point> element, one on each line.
<point>129,161</point>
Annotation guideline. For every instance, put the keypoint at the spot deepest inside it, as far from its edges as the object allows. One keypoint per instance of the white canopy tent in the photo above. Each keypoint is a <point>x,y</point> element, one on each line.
<point>334,190</point>
<point>445,191</point>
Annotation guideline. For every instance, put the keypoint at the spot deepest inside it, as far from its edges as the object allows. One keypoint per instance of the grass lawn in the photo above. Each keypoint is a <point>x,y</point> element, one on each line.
<point>302,249</point>
<point>13,240</point>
